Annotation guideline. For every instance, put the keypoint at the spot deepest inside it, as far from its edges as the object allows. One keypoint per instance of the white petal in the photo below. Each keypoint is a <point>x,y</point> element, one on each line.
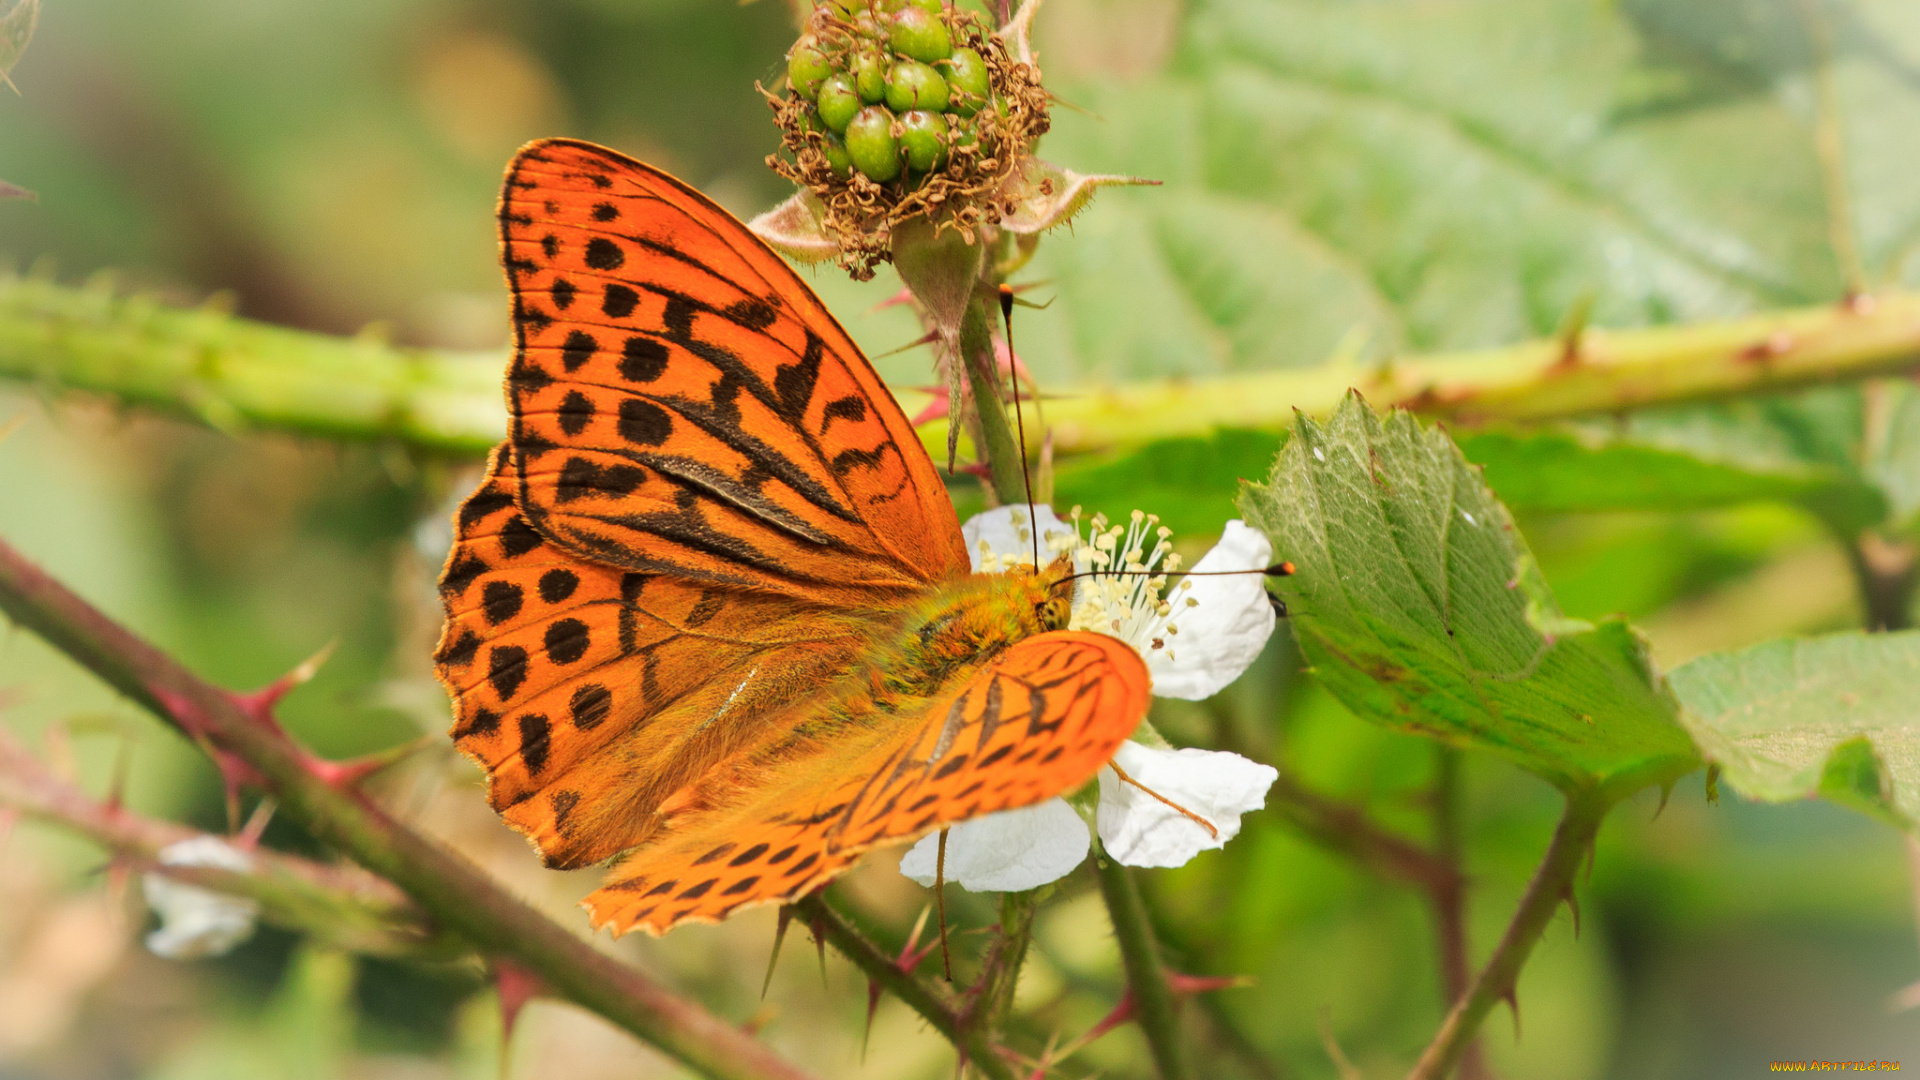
<point>1010,851</point>
<point>1139,830</point>
<point>198,922</point>
<point>996,527</point>
<point>1224,631</point>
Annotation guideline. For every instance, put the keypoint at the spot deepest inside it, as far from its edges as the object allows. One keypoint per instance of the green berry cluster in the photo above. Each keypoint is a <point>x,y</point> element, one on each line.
<point>902,108</point>
<point>890,91</point>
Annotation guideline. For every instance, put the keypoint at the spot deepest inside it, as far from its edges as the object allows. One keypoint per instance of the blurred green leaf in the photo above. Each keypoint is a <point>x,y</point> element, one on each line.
<point>1419,607</point>
<point>1339,166</point>
<point>1188,482</point>
<point>17,18</point>
<point>1777,449</point>
<point>1830,716</point>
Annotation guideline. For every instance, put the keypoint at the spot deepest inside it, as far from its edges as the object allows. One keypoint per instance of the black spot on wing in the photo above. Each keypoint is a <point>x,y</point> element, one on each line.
<point>534,745</point>
<point>506,670</point>
<point>557,584</point>
<point>604,254</point>
<point>619,301</point>
<point>576,412</point>
<point>577,350</point>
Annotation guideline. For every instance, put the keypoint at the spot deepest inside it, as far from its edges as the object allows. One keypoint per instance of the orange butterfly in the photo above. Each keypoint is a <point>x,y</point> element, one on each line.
<point>711,605</point>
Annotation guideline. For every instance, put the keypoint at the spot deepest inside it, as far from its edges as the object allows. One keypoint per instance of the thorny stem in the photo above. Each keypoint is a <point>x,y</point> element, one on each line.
<point>1154,1005</point>
<point>233,373</point>
<point>452,890</point>
<point>1449,896</point>
<point>1223,1023</point>
<point>343,905</point>
<point>1886,572</point>
<point>931,999</point>
<point>1552,883</point>
<point>1000,975</point>
<point>1347,829</point>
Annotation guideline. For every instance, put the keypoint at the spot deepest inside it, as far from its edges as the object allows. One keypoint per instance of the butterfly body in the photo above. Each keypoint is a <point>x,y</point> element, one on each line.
<point>711,610</point>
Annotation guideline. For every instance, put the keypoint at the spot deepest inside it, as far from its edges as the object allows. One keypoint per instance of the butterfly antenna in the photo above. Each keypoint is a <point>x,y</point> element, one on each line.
<point>940,899</point>
<point>1279,569</point>
<point>1020,426</point>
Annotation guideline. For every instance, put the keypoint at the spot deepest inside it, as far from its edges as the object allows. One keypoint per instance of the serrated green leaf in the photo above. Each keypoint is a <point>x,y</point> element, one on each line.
<point>1418,605</point>
<point>1831,716</point>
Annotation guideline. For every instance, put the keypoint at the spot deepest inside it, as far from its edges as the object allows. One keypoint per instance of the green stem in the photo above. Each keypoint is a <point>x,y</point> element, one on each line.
<point>239,374</point>
<point>1153,1001</point>
<point>1005,465</point>
<point>941,1007</point>
<point>453,891</point>
<point>1552,883</point>
<point>1000,975</point>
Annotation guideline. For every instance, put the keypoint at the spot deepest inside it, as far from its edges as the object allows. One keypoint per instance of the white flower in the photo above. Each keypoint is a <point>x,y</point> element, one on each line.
<point>1011,851</point>
<point>1196,638</point>
<point>196,922</point>
<point>1140,830</point>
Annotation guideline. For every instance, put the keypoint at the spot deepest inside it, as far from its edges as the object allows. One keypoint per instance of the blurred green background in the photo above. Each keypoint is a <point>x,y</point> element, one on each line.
<point>1383,176</point>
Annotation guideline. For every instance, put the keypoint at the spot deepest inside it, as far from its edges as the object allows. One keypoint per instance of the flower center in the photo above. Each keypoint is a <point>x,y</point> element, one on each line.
<point>1124,592</point>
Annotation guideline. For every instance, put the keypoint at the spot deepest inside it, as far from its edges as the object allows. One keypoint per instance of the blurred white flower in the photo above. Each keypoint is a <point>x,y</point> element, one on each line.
<point>1157,807</point>
<point>197,922</point>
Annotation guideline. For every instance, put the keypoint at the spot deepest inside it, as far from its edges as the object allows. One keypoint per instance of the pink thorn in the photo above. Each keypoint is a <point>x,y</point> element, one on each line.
<point>1121,1013</point>
<point>873,1006</point>
<point>1200,984</point>
<point>344,774</point>
<point>517,986</point>
<point>937,409</point>
<point>1010,362</point>
<point>904,296</point>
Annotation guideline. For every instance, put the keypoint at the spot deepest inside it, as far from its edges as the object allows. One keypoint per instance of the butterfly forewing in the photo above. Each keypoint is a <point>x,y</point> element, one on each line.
<point>1036,723</point>
<point>589,693</point>
<point>683,403</point>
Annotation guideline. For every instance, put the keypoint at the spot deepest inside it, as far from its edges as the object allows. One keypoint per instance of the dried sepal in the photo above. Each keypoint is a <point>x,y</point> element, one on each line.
<point>795,229</point>
<point>1042,195</point>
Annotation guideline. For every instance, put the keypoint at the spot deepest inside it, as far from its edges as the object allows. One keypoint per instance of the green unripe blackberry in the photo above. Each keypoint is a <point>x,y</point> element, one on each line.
<point>913,85</point>
<point>838,101</point>
<point>968,79</point>
<point>916,35</point>
<point>870,75</point>
<point>931,7</point>
<point>871,145</point>
<point>923,138</point>
<point>807,68</point>
<point>838,159</point>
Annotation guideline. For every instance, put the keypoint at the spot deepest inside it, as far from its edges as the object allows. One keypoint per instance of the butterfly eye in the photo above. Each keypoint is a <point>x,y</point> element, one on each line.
<point>1055,612</point>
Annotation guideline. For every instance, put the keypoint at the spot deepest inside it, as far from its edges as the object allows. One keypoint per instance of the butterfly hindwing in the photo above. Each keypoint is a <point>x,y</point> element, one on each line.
<point>1037,722</point>
<point>683,403</point>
